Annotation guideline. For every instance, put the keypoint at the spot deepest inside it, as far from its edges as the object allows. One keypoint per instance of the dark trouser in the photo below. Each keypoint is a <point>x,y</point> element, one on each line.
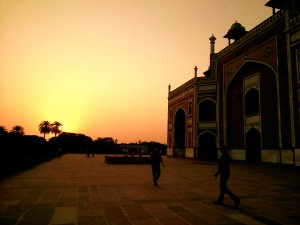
<point>155,172</point>
<point>224,189</point>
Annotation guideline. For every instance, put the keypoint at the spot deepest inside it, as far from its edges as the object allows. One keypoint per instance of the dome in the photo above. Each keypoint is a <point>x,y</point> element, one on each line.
<point>236,31</point>
<point>237,26</point>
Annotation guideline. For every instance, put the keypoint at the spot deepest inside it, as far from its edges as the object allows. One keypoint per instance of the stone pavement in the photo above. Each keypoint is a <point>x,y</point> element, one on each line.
<point>75,189</point>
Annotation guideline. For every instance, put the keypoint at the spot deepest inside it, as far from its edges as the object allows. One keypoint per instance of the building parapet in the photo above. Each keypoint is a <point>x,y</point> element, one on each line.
<point>182,87</point>
<point>294,20</point>
<point>207,79</point>
<point>259,28</point>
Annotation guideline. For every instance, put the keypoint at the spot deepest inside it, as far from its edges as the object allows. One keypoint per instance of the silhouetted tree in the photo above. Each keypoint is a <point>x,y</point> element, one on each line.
<point>71,142</point>
<point>3,131</point>
<point>15,147</point>
<point>19,151</point>
<point>34,146</point>
<point>105,145</point>
<point>45,127</point>
<point>56,128</point>
<point>18,130</point>
<point>4,142</point>
<point>152,145</point>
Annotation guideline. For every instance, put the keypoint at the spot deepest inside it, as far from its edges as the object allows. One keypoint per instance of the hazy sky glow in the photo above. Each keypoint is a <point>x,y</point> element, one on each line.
<point>102,67</point>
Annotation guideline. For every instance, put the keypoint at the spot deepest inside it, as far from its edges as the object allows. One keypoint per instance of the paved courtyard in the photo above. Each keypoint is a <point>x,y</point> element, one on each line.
<point>75,189</point>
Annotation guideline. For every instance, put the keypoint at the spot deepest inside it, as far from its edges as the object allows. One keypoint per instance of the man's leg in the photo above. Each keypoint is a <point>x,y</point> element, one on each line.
<point>154,172</point>
<point>157,172</point>
<point>234,198</point>
<point>223,187</point>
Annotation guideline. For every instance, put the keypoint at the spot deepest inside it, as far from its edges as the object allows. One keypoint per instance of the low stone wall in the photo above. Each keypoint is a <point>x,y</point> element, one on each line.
<point>127,159</point>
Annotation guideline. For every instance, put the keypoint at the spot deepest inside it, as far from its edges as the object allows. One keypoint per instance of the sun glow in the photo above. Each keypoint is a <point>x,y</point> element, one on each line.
<point>102,68</point>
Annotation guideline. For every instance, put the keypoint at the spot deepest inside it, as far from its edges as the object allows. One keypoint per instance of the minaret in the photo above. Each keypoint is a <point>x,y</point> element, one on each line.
<point>212,44</point>
<point>169,89</point>
<point>196,69</point>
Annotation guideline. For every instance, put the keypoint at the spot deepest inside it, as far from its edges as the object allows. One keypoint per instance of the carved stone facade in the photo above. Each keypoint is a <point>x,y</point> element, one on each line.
<point>248,99</point>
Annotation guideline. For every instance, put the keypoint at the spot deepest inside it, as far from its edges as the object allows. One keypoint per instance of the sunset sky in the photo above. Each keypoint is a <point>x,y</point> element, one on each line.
<point>102,67</point>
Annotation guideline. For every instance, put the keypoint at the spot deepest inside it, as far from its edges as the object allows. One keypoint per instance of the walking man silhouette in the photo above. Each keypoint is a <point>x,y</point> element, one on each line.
<point>156,160</point>
<point>224,171</point>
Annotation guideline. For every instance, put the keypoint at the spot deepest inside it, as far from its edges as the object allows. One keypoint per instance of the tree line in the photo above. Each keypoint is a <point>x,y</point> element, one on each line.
<point>15,144</point>
<point>19,151</point>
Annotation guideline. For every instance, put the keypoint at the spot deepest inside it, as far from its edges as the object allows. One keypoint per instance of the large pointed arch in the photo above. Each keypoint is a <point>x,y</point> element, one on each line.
<point>179,132</point>
<point>207,149</point>
<point>266,96</point>
<point>249,62</point>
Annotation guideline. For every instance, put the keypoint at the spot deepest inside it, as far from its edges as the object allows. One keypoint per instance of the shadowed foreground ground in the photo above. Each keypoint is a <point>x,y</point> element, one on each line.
<point>75,189</point>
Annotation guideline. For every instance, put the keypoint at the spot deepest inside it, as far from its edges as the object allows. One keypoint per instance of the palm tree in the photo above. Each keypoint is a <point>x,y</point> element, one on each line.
<point>17,130</point>
<point>45,127</point>
<point>3,130</point>
<point>56,128</point>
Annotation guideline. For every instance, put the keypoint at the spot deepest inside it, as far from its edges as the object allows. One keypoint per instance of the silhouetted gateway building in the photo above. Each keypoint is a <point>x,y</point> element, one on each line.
<point>249,99</point>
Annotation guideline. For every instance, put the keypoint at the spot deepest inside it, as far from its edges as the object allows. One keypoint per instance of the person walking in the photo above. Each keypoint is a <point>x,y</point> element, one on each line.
<point>156,160</point>
<point>224,171</point>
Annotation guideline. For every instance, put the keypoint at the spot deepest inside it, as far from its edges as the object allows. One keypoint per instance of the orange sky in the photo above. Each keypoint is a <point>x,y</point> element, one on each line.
<point>102,67</point>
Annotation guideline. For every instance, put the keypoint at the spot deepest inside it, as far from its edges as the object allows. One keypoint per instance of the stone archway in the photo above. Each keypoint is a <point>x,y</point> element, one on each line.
<point>179,133</point>
<point>207,149</point>
<point>253,146</point>
<point>260,100</point>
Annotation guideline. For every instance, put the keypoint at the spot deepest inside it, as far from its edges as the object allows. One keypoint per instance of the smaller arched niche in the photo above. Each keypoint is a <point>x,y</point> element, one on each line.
<point>207,150</point>
<point>253,145</point>
<point>207,111</point>
<point>252,102</point>
<point>180,123</point>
